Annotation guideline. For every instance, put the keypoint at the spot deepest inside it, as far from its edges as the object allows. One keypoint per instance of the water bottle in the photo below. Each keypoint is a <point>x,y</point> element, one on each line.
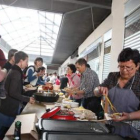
<point>17,132</point>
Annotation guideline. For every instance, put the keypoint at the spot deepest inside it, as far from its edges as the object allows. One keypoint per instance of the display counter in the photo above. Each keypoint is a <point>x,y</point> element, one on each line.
<point>117,128</point>
<point>38,108</point>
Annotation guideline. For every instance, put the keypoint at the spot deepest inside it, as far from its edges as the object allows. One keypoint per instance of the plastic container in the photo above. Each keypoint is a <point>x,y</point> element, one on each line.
<point>74,104</point>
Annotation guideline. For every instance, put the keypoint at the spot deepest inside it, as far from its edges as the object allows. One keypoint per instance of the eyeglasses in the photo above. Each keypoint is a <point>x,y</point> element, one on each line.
<point>125,67</point>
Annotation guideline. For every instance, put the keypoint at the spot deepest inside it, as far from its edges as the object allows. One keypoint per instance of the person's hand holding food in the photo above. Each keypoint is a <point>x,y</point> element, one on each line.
<point>71,91</point>
<point>32,100</point>
<point>123,116</point>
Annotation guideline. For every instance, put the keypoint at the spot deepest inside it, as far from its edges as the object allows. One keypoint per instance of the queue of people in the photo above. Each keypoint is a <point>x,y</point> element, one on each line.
<point>6,67</point>
<point>88,81</point>
<point>12,95</point>
<point>122,87</point>
<point>12,104</point>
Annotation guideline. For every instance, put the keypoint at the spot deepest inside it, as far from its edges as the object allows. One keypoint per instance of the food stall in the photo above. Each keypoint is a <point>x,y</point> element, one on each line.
<point>61,120</point>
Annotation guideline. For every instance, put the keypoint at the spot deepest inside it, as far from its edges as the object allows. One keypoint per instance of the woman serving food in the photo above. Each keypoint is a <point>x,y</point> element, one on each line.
<point>73,82</point>
<point>123,87</point>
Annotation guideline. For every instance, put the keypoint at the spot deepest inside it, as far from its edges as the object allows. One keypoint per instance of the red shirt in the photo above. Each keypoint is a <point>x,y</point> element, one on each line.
<point>2,58</point>
<point>57,82</point>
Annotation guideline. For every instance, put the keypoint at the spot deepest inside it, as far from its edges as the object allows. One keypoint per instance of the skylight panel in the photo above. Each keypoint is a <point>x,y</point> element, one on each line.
<point>27,29</point>
<point>7,37</point>
<point>12,42</point>
<point>11,11</point>
<point>3,17</point>
<point>2,31</point>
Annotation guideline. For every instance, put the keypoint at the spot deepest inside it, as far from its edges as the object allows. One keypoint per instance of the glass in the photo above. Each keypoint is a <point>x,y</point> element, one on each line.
<point>128,68</point>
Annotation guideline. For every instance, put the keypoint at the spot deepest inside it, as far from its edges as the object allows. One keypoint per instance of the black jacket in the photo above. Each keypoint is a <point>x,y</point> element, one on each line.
<point>14,88</point>
<point>63,81</point>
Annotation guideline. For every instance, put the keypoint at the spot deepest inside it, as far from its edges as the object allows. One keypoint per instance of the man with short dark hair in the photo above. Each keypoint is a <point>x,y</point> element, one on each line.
<point>89,80</point>
<point>11,59</point>
<point>7,66</point>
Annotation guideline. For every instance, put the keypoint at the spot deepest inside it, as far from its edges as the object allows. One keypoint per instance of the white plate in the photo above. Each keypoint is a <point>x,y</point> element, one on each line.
<point>31,88</point>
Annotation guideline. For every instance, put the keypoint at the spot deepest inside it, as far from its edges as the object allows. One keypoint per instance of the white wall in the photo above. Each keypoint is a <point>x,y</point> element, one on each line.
<point>103,28</point>
<point>117,31</point>
<point>51,71</point>
<point>62,69</point>
<point>114,21</point>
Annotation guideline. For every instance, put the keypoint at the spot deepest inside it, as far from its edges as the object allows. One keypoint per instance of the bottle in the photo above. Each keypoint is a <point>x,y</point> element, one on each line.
<point>17,132</point>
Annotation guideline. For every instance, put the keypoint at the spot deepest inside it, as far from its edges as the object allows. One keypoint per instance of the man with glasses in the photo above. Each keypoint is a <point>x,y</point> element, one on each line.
<point>123,87</point>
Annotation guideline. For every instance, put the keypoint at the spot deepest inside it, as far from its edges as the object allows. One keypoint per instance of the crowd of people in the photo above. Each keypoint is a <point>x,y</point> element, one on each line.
<point>122,87</point>
<point>11,89</point>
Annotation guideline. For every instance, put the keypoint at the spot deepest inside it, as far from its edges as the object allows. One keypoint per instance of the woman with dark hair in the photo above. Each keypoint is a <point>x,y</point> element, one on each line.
<point>123,87</point>
<point>57,81</point>
<point>73,80</point>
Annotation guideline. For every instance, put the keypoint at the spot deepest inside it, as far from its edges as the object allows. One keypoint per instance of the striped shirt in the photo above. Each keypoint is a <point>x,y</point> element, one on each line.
<point>89,80</point>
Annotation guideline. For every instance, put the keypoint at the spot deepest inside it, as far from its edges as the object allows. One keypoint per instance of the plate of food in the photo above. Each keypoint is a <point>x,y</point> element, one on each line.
<point>113,115</point>
<point>60,93</point>
<point>30,87</point>
<point>116,115</point>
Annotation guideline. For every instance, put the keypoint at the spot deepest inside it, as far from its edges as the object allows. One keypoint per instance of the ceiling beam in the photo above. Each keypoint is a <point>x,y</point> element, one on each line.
<point>85,3</point>
<point>77,10</point>
<point>27,45</point>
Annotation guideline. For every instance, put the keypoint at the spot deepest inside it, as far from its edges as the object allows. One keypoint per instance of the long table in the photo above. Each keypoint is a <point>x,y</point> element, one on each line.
<point>38,108</point>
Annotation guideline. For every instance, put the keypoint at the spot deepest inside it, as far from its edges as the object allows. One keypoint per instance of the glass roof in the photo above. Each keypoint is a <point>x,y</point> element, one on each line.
<point>32,31</point>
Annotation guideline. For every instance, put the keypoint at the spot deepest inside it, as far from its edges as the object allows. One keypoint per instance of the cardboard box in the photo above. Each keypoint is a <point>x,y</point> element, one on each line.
<point>28,131</point>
